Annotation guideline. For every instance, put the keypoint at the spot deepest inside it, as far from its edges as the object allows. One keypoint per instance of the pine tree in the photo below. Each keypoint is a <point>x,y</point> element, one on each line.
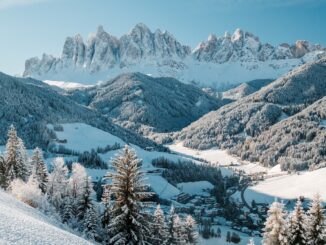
<point>4,181</point>
<point>106,215</point>
<point>130,224</point>
<point>191,233</point>
<point>40,169</point>
<point>11,153</point>
<point>178,231</point>
<point>21,168</point>
<point>296,230</point>
<point>170,223</point>
<point>275,226</point>
<point>90,223</point>
<point>315,223</point>
<point>159,230</point>
<point>67,210</point>
<point>57,184</point>
<point>85,202</point>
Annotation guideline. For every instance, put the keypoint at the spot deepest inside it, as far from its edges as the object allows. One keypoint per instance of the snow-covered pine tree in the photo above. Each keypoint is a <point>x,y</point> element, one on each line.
<point>40,169</point>
<point>11,153</point>
<point>57,185</point>
<point>296,229</point>
<point>191,233</point>
<point>85,202</point>
<point>178,231</point>
<point>159,230</point>
<point>21,168</point>
<point>90,223</point>
<point>130,224</point>
<point>251,242</point>
<point>171,226</point>
<point>106,215</point>
<point>66,211</point>
<point>315,223</point>
<point>275,231</point>
<point>4,182</point>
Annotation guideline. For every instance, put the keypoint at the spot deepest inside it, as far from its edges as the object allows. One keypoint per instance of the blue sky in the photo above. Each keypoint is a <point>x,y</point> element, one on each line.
<point>32,27</point>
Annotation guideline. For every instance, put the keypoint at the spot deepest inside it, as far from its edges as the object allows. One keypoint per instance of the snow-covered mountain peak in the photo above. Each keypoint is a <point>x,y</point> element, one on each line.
<point>215,62</point>
<point>237,35</point>
<point>140,28</point>
<point>100,30</point>
<point>212,38</point>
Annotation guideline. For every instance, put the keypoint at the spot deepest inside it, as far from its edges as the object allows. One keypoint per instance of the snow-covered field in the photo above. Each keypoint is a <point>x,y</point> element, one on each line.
<point>284,186</point>
<point>214,155</point>
<point>21,224</point>
<point>289,187</point>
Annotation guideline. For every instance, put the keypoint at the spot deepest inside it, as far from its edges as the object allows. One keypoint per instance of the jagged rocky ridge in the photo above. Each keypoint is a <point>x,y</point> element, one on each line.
<point>216,62</point>
<point>145,104</point>
<point>246,119</point>
<point>31,104</point>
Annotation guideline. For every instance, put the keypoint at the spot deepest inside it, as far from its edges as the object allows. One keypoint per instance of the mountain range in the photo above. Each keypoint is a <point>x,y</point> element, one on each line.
<point>30,105</point>
<point>219,62</point>
<point>283,119</point>
<point>145,104</point>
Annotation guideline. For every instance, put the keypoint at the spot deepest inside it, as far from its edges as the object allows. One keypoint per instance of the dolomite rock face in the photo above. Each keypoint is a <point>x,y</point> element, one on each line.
<point>230,59</point>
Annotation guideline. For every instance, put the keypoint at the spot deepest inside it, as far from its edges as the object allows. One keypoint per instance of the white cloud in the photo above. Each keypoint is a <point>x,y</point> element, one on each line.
<point>5,4</point>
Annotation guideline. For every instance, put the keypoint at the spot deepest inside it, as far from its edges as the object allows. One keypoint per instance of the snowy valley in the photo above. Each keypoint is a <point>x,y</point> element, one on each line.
<point>140,139</point>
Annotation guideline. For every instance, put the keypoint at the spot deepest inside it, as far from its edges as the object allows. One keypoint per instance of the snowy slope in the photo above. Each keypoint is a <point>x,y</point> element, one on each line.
<point>82,137</point>
<point>21,224</point>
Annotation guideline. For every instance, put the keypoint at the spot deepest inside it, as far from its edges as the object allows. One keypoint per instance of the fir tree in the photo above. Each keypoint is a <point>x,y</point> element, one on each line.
<point>21,168</point>
<point>85,202</point>
<point>179,233</point>
<point>11,153</point>
<point>315,223</point>
<point>296,230</point>
<point>40,169</point>
<point>275,226</point>
<point>160,234</point>
<point>106,215</point>
<point>130,224</point>
<point>67,210</point>
<point>191,233</point>
<point>90,223</point>
<point>171,226</point>
<point>4,181</point>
